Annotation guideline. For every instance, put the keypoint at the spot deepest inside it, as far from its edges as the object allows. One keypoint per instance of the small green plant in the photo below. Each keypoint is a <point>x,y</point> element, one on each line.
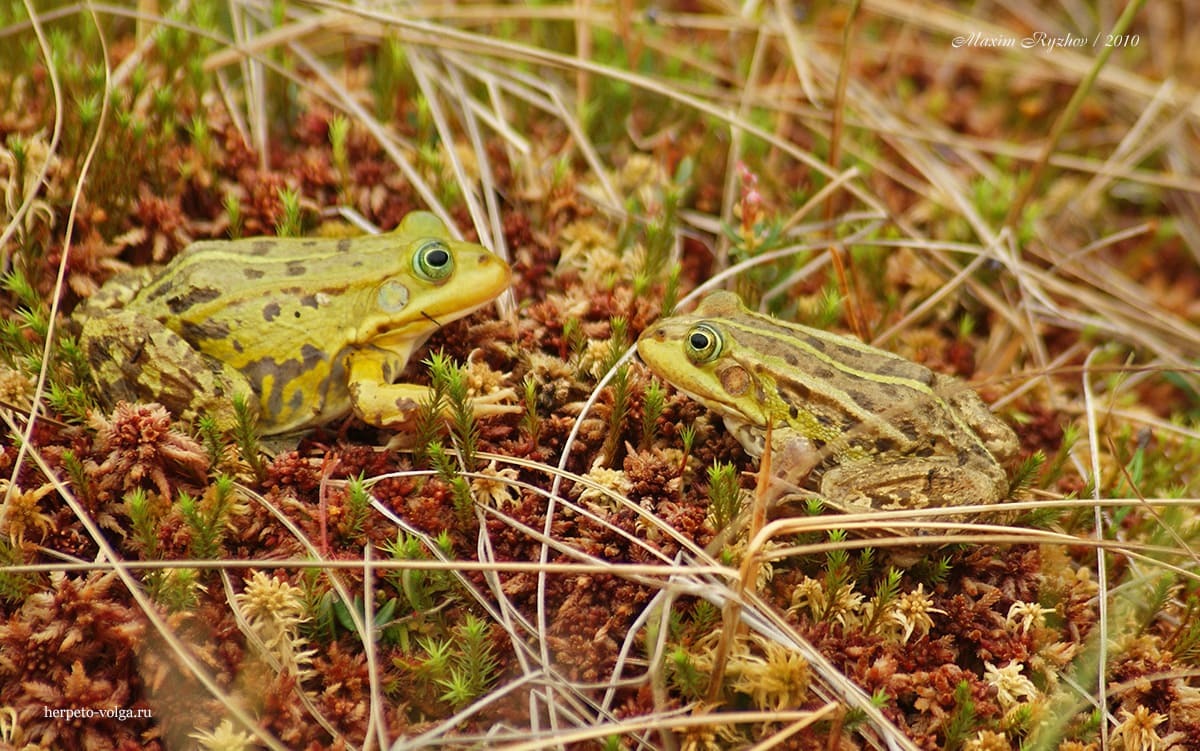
<point>463,425</point>
<point>380,619</point>
<point>837,571</point>
<point>233,215</point>
<point>705,616</point>
<point>438,658</point>
<point>358,507</point>
<point>339,133</point>
<point>1184,642</point>
<point>724,495</point>
<point>391,73</point>
<point>531,421</point>
<point>883,601</point>
<point>963,721</point>
<point>670,291</point>
<point>856,717</point>
<point>211,438</point>
<point>814,506</point>
<point>653,401</point>
<point>463,666</point>
<point>165,586</point>
<point>687,438</point>
<point>449,393</point>
<point>574,337</point>
<point>659,234</point>
<point>291,223</point>
<point>1025,475</point>
<point>620,385</point>
<point>177,589</point>
<point>245,434</point>
<point>201,139</point>
<point>424,589</point>
<point>144,523</point>
<point>620,410</point>
<point>684,676</point>
<point>209,516</point>
<point>14,588</point>
<point>829,309</point>
<point>23,335</point>
<point>448,472</point>
<point>430,419</point>
<point>77,475</point>
<point>71,402</point>
<point>938,570</point>
<point>317,605</point>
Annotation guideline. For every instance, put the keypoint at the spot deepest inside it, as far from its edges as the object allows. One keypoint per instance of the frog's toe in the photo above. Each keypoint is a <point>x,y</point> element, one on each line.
<point>499,402</point>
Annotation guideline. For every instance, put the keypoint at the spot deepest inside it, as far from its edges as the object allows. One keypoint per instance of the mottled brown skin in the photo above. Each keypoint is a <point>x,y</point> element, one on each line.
<point>885,432</point>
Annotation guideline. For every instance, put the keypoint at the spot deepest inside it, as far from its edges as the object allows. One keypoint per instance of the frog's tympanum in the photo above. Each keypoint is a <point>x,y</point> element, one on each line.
<point>309,327</point>
<point>890,434</point>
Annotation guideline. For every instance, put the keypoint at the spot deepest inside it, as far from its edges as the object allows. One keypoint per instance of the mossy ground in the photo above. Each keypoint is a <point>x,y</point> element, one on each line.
<point>999,213</point>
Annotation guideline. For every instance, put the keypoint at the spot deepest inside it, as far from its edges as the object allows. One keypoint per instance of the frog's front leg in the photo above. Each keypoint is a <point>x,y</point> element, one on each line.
<point>395,406</point>
<point>136,358</point>
<point>905,483</point>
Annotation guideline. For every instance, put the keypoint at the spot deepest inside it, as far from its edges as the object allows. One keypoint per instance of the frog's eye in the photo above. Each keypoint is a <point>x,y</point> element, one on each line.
<point>433,261</point>
<point>703,343</point>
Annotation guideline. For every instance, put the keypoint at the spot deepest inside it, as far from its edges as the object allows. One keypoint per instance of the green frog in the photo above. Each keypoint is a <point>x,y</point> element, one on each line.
<point>310,328</point>
<point>884,432</point>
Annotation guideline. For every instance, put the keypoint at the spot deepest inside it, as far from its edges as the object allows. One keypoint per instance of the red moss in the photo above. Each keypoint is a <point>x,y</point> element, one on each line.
<point>143,451</point>
<point>73,647</point>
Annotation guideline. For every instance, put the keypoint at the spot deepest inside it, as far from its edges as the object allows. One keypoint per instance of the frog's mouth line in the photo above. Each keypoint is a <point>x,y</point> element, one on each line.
<point>420,327</point>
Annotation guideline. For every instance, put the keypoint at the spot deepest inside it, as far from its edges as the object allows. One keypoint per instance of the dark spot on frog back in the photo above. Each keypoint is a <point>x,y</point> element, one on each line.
<point>262,247</point>
<point>898,367</point>
<point>864,399</point>
<point>194,296</point>
<point>846,354</point>
<point>210,330</point>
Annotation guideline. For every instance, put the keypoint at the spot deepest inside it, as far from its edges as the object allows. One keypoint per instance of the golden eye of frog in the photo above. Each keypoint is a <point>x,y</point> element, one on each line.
<point>312,328</point>
<point>887,433</point>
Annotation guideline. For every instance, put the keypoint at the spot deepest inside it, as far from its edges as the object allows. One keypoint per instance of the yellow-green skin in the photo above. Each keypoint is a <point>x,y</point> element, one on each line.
<point>310,327</point>
<point>885,432</point>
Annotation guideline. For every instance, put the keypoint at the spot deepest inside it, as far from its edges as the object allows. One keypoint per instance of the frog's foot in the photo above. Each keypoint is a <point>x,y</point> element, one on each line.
<point>498,402</point>
<point>395,406</point>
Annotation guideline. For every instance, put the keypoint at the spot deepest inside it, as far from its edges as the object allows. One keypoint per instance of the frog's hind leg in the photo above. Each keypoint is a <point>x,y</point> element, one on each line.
<point>137,359</point>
